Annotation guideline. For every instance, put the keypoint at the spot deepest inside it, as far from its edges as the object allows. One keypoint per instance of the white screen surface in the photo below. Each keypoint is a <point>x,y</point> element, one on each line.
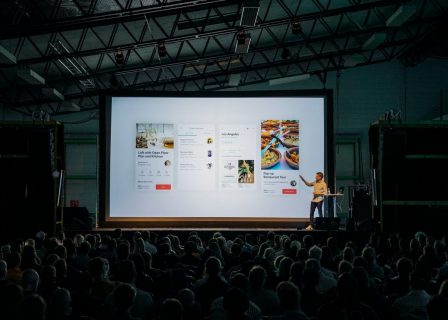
<point>202,157</point>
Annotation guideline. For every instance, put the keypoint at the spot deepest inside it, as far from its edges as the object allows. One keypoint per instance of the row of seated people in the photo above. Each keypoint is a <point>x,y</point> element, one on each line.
<point>271,276</point>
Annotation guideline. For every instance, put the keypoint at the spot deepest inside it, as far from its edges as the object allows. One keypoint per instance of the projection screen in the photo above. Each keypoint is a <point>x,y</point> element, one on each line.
<point>219,157</point>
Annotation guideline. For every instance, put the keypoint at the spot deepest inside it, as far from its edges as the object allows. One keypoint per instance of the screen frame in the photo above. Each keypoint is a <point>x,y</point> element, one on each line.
<point>104,220</point>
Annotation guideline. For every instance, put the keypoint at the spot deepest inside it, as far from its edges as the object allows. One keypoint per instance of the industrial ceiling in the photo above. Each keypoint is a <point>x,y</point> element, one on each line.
<point>59,55</point>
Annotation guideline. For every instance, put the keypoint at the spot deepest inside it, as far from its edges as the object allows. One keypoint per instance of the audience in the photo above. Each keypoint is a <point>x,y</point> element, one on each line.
<point>235,304</point>
<point>191,308</point>
<point>30,282</point>
<point>265,298</point>
<point>326,282</point>
<point>311,299</point>
<point>437,308</point>
<point>289,296</point>
<point>123,301</point>
<point>33,307</point>
<point>143,304</point>
<point>141,275</point>
<point>14,273</point>
<point>212,285</point>
<point>11,296</point>
<point>413,304</point>
<point>171,309</point>
<point>399,285</point>
<point>217,308</point>
<point>3,270</point>
<point>60,305</point>
<point>347,304</point>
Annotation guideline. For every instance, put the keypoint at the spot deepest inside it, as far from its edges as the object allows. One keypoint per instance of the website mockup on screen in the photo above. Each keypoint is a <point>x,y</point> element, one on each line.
<point>207,157</point>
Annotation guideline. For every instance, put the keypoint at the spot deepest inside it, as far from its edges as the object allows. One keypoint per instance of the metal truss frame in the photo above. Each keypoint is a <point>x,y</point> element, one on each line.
<point>211,64</point>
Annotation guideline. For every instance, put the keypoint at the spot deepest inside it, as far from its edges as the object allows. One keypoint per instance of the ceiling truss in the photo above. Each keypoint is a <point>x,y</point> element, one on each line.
<point>200,39</point>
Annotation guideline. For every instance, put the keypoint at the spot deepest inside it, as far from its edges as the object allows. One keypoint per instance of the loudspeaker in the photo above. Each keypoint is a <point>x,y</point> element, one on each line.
<point>327,223</point>
<point>77,219</point>
<point>349,225</point>
<point>362,205</point>
<point>28,157</point>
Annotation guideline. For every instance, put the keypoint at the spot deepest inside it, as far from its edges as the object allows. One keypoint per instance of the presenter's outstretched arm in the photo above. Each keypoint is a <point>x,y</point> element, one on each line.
<point>309,184</point>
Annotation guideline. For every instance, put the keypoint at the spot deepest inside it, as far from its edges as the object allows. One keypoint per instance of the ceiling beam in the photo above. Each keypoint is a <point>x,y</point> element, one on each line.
<point>108,18</point>
<point>225,54</point>
<point>157,87</point>
<point>136,14</point>
<point>191,36</point>
<point>244,68</point>
<point>231,54</point>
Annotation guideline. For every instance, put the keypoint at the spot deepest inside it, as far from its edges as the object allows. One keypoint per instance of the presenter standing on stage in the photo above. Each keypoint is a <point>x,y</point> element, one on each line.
<point>320,188</point>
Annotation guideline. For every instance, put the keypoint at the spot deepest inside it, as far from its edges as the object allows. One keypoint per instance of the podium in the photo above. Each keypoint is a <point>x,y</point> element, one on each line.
<point>331,197</point>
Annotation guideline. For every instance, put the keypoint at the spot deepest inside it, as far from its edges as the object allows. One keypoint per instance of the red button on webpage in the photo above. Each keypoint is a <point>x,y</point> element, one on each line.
<point>289,191</point>
<point>163,187</point>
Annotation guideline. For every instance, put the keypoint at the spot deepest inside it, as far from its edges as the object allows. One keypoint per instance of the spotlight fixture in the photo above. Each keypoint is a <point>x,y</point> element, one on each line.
<point>161,49</point>
<point>286,54</point>
<point>295,26</point>
<point>241,37</point>
<point>242,42</point>
<point>114,82</point>
<point>119,57</point>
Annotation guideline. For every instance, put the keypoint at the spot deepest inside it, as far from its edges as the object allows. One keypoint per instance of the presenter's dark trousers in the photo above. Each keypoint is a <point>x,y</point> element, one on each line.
<point>313,207</point>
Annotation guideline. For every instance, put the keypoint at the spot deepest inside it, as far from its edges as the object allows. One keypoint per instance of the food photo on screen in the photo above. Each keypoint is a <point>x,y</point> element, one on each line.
<point>151,135</point>
<point>246,171</point>
<point>280,145</point>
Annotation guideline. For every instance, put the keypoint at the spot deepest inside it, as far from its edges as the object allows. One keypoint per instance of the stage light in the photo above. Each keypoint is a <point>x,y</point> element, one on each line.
<point>296,26</point>
<point>119,57</point>
<point>161,49</point>
<point>242,42</point>
<point>114,82</point>
<point>241,37</point>
<point>286,54</point>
